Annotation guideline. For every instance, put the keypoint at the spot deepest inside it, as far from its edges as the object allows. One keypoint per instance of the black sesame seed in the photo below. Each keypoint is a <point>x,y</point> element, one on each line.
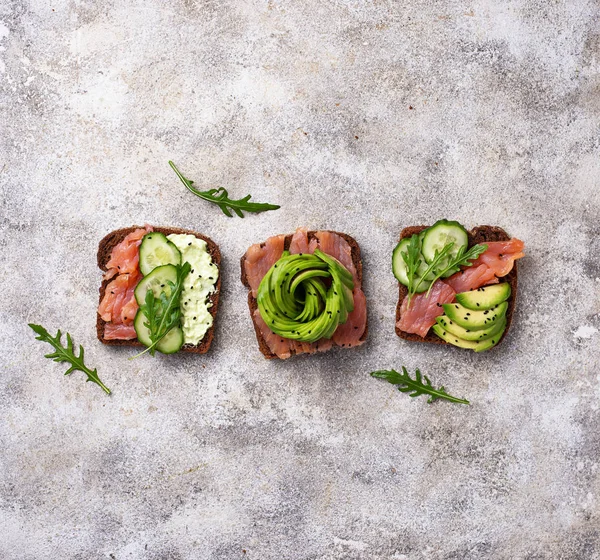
<point>162,285</point>
<point>469,314</point>
<point>210,278</point>
<point>477,305</point>
<point>189,243</point>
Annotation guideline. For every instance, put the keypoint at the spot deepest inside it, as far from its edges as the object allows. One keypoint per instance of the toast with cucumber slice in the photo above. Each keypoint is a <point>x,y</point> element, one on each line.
<point>160,289</point>
<point>456,286</point>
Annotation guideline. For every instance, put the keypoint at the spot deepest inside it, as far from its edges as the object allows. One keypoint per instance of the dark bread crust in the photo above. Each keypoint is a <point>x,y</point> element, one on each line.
<point>479,234</point>
<point>356,260</point>
<point>105,248</point>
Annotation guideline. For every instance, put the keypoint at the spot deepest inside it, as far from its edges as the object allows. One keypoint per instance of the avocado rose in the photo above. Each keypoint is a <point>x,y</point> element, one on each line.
<point>305,297</point>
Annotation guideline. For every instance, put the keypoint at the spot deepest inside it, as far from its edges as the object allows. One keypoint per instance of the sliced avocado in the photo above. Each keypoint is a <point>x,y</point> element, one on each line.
<point>469,334</point>
<point>484,298</point>
<point>473,320</point>
<point>294,301</point>
<point>476,345</point>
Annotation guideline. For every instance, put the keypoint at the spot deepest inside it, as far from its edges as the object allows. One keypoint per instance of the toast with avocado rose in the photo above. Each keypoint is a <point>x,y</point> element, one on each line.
<point>305,293</point>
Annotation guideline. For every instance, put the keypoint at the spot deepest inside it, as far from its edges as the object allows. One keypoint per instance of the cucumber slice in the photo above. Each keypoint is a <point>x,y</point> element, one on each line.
<point>485,298</point>
<point>169,344</point>
<point>439,235</point>
<point>477,345</point>
<point>398,264</point>
<point>157,250</point>
<point>399,267</point>
<point>474,320</point>
<point>469,334</point>
<point>157,281</point>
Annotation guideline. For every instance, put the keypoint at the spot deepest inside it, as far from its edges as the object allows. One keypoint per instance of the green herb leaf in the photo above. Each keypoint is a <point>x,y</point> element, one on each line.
<point>415,387</point>
<point>163,313</point>
<point>220,197</point>
<point>462,259</point>
<point>412,258</point>
<point>67,354</point>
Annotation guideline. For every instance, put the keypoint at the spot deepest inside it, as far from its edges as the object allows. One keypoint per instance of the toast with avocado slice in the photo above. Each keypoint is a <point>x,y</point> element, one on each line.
<point>438,303</point>
<point>137,260</point>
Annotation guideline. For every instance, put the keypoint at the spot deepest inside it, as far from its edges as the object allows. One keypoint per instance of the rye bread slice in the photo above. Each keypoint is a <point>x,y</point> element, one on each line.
<point>105,248</point>
<point>479,234</point>
<point>252,305</point>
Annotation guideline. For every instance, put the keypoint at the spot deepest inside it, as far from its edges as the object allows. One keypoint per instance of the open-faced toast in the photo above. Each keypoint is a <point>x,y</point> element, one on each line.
<point>478,235</point>
<point>321,345</point>
<point>105,248</point>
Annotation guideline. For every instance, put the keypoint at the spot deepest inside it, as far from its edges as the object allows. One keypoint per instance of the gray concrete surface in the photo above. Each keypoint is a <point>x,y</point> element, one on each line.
<point>362,117</point>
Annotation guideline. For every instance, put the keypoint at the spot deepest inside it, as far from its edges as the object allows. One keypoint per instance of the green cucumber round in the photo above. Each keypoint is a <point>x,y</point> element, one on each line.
<point>436,237</point>
<point>156,250</point>
<point>169,344</point>
<point>399,268</point>
<point>398,264</point>
<point>157,281</point>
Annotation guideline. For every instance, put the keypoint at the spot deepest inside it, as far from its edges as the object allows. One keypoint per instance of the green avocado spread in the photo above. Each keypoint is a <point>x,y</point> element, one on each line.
<point>305,297</point>
<point>197,287</point>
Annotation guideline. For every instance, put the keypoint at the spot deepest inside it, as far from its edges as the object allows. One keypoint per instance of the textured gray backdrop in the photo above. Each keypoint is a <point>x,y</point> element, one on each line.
<point>362,117</point>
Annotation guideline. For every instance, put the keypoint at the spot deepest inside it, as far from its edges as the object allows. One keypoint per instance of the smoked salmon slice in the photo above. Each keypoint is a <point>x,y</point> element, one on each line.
<point>299,243</point>
<point>349,334</point>
<point>125,256</point>
<point>500,256</point>
<point>118,306</point>
<point>119,332</point>
<point>471,278</point>
<point>260,257</point>
<point>420,315</point>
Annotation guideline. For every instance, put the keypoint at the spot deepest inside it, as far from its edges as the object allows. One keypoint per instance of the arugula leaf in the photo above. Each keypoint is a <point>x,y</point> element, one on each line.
<point>220,197</point>
<point>67,354</point>
<point>412,259</point>
<point>462,259</point>
<point>416,387</point>
<point>163,313</point>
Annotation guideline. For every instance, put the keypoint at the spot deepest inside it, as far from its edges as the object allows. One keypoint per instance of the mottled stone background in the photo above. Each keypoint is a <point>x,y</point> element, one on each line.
<point>362,117</point>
